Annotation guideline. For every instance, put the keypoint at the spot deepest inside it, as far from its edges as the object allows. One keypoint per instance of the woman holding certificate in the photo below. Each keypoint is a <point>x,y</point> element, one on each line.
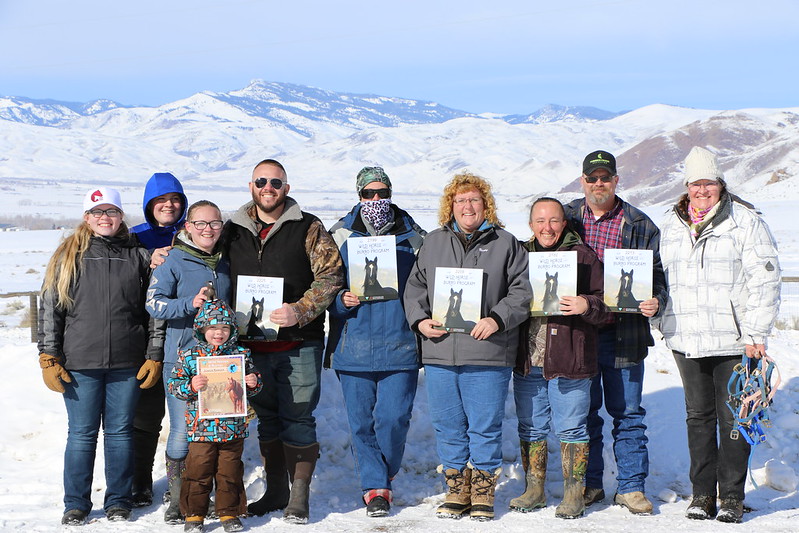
<point>466,297</point>
<point>723,275</point>
<point>370,344</point>
<point>557,358</point>
<point>178,288</point>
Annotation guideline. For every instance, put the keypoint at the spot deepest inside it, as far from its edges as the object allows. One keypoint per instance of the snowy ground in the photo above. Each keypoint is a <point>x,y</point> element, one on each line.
<point>31,446</point>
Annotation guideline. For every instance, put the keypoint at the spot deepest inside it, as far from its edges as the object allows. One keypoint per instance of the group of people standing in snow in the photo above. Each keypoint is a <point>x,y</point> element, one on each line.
<point>125,314</point>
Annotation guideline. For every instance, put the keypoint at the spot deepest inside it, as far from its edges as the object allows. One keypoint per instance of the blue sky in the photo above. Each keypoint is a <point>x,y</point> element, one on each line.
<point>502,56</point>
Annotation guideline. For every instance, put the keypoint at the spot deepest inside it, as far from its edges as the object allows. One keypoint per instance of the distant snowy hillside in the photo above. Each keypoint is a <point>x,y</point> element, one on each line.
<point>212,140</point>
<point>554,113</point>
<point>49,112</point>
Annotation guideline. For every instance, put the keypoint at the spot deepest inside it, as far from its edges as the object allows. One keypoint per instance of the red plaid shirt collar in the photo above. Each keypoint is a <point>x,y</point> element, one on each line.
<point>605,231</point>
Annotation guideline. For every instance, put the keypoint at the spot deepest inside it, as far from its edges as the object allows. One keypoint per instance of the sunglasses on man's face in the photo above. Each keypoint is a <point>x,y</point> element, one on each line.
<point>276,183</point>
<point>593,179</point>
<point>367,194</point>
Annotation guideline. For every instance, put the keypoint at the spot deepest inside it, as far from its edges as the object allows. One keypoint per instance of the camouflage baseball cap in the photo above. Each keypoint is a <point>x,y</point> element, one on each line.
<point>369,174</point>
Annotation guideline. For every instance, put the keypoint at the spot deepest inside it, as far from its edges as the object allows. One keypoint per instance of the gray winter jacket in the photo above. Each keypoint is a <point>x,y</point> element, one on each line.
<point>724,286</point>
<point>506,295</point>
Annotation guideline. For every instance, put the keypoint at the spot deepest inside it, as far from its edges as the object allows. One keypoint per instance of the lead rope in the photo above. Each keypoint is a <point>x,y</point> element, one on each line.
<point>750,395</point>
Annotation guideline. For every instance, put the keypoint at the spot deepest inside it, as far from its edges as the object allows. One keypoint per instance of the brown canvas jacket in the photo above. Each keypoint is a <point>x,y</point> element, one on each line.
<point>571,350</point>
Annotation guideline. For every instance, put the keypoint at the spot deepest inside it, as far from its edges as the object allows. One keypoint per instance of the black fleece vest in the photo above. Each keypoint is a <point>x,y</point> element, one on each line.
<point>282,256</point>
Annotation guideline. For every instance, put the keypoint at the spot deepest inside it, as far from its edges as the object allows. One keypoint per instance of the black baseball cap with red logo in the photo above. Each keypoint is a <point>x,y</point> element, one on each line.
<point>597,160</point>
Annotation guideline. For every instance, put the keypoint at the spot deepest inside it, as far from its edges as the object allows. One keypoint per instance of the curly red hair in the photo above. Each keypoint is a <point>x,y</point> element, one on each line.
<point>464,183</point>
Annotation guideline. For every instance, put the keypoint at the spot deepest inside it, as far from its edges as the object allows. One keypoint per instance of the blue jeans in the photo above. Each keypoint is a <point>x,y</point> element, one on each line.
<point>177,442</point>
<point>290,394</point>
<point>538,401</point>
<point>716,459</point>
<point>96,397</point>
<point>379,406</point>
<point>622,389</point>
<point>467,405</point>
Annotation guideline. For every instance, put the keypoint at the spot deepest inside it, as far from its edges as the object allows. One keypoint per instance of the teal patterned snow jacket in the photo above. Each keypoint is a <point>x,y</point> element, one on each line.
<point>210,429</point>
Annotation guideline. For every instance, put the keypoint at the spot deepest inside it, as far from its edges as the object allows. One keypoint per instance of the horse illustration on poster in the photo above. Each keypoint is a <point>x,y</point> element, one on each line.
<point>256,298</point>
<point>236,394</point>
<point>372,267</point>
<point>457,298</point>
<point>255,324</point>
<point>372,289</point>
<point>551,299</point>
<point>553,275</point>
<point>625,297</point>
<point>453,319</point>
<point>628,279</point>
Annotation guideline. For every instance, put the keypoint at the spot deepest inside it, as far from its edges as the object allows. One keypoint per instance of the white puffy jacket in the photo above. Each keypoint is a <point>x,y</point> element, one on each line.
<point>724,288</point>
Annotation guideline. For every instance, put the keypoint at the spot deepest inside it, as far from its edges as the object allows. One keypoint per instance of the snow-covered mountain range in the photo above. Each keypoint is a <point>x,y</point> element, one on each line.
<point>212,140</point>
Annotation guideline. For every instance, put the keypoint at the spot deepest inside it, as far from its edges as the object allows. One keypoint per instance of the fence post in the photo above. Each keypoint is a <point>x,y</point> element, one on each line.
<point>34,314</point>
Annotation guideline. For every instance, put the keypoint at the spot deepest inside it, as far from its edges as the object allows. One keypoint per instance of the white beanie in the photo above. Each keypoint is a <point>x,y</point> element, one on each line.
<point>701,164</point>
<point>100,196</point>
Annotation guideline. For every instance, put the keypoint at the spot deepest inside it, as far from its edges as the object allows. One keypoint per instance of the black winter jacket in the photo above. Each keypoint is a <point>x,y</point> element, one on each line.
<point>107,327</point>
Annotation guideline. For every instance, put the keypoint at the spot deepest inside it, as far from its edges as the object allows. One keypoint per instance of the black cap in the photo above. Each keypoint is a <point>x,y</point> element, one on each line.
<point>599,159</point>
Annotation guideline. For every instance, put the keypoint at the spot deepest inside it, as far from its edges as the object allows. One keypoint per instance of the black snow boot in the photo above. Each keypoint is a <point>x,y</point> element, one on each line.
<point>276,495</point>
<point>174,476</point>
<point>301,463</point>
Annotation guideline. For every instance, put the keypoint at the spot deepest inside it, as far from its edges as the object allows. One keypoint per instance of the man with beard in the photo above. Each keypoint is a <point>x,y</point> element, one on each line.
<point>604,220</point>
<point>271,236</point>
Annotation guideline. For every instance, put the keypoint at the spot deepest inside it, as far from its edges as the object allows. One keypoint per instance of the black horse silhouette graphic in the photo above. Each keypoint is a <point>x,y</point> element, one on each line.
<point>625,298</point>
<point>255,325</point>
<point>453,320</point>
<point>551,299</point>
<point>372,289</point>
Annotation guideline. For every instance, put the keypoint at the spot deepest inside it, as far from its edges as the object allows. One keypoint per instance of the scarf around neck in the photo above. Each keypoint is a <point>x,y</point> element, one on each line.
<point>700,218</point>
<point>377,213</point>
<point>184,242</point>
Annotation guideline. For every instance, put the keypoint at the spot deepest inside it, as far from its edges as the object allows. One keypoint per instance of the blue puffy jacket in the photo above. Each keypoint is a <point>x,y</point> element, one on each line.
<point>374,336</point>
<point>149,233</point>
<point>173,286</point>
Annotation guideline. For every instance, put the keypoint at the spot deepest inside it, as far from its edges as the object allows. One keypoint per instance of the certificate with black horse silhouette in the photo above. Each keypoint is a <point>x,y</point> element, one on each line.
<point>628,279</point>
<point>457,298</point>
<point>552,276</point>
<point>372,268</point>
<point>256,298</point>
<point>225,394</point>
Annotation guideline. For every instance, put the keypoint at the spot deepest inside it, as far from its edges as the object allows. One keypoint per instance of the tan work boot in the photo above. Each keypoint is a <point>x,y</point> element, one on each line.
<point>574,461</point>
<point>459,498</point>
<point>592,495</point>
<point>534,462</point>
<point>483,485</point>
<point>635,502</point>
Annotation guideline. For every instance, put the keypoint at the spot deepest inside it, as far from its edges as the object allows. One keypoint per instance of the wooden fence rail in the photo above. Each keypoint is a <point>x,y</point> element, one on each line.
<point>33,303</point>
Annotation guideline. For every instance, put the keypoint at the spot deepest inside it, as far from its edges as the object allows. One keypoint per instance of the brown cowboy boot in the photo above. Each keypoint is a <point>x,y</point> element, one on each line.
<point>483,485</point>
<point>574,461</point>
<point>459,498</point>
<point>534,461</point>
